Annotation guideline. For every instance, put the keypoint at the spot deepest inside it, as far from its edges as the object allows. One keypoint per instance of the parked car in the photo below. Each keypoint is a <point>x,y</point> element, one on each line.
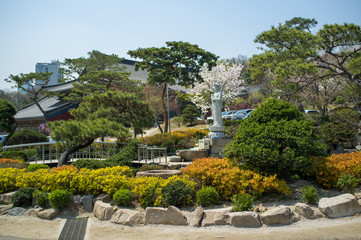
<point>225,114</point>
<point>312,112</point>
<point>2,138</point>
<point>247,114</point>
<point>240,114</point>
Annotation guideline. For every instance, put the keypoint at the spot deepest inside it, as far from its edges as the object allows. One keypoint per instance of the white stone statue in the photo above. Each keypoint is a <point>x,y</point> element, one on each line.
<point>217,128</point>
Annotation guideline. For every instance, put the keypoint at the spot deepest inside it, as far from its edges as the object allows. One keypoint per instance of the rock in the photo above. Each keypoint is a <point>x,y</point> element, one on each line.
<point>295,217</point>
<point>195,217</point>
<point>190,155</point>
<point>216,217</point>
<point>244,219</point>
<point>76,200</point>
<point>304,210</point>
<point>48,213</point>
<point>128,217</point>
<point>17,211</point>
<point>317,213</point>
<point>6,198</point>
<point>5,208</point>
<point>357,195</point>
<point>103,211</point>
<point>159,173</point>
<point>340,206</point>
<point>87,203</point>
<point>174,159</point>
<point>278,215</point>
<point>33,212</point>
<point>169,216</point>
<point>104,197</point>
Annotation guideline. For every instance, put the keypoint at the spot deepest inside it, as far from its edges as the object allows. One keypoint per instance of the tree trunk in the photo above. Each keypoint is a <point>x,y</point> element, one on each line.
<point>160,128</point>
<point>164,107</point>
<point>64,157</point>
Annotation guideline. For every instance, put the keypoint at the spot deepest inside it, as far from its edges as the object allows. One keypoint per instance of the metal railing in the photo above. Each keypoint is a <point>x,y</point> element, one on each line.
<point>146,153</point>
<point>49,152</point>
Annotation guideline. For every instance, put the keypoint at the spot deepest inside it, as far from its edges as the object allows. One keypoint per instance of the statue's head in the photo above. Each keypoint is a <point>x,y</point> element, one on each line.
<point>217,86</point>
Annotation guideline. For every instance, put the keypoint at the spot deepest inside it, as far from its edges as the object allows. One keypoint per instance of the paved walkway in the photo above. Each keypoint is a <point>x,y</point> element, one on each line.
<point>14,228</point>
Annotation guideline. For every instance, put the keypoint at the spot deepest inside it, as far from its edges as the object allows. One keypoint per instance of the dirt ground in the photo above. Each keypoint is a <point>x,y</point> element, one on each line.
<point>13,228</point>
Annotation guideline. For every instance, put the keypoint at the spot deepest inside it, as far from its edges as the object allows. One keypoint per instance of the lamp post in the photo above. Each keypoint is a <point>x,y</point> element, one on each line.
<point>170,136</point>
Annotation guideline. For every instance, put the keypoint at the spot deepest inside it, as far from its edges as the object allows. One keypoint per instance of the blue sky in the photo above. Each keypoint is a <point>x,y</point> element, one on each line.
<point>34,31</point>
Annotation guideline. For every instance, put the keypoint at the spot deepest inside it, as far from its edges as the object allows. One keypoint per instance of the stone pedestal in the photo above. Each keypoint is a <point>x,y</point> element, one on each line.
<point>216,132</point>
<point>217,146</point>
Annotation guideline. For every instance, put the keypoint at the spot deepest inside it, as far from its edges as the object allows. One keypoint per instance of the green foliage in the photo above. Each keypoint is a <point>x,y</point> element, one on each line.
<point>93,164</point>
<point>309,194</point>
<point>34,167</point>
<point>7,120</point>
<point>347,183</point>
<point>27,136</point>
<point>275,139</point>
<point>10,163</point>
<point>123,197</point>
<point>292,55</point>
<point>189,114</point>
<point>231,127</point>
<point>341,127</point>
<point>41,198</point>
<point>127,154</point>
<point>177,120</point>
<point>60,198</point>
<point>176,193</point>
<point>242,202</point>
<point>23,197</point>
<point>16,155</point>
<point>207,196</point>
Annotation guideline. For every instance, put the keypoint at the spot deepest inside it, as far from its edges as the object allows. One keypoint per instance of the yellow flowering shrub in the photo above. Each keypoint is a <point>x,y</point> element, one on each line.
<point>8,178</point>
<point>148,189</point>
<point>228,179</point>
<point>328,170</point>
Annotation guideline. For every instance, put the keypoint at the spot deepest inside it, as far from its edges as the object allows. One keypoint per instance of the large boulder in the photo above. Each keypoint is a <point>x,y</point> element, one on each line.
<point>6,198</point>
<point>340,206</point>
<point>33,212</point>
<point>87,203</point>
<point>190,155</point>
<point>277,216</point>
<point>48,214</point>
<point>166,216</point>
<point>4,209</point>
<point>159,173</point>
<point>244,219</point>
<point>304,210</point>
<point>17,211</point>
<point>194,218</point>
<point>128,217</point>
<point>103,211</point>
<point>215,217</point>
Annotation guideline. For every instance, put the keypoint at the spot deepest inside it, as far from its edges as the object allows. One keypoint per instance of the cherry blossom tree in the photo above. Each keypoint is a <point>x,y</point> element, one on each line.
<point>225,74</point>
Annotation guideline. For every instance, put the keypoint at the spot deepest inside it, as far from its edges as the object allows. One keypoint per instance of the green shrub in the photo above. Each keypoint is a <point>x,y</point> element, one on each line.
<point>347,183</point>
<point>123,197</point>
<point>41,198</point>
<point>23,197</point>
<point>60,198</point>
<point>127,154</point>
<point>16,155</point>
<point>93,164</point>
<point>34,167</point>
<point>207,196</point>
<point>309,194</point>
<point>10,163</point>
<point>189,114</point>
<point>176,193</point>
<point>275,139</point>
<point>27,136</point>
<point>340,127</point>
<point>242,202</point>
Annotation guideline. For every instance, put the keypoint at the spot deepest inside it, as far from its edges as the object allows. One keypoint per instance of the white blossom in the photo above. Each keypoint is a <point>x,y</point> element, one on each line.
<point>229,78</point>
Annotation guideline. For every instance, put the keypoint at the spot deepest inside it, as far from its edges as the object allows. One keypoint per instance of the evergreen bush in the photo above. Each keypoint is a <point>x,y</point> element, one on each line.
<point>309,194</point>
<point>189,114</point>
<point>242,202</point>
<point>60,198</point>
<point>16,155</point>
<point>275,139</point>
<point>123,197</point>
<point>347,183</point>
<point>93,164</point>
<point>127,154</point>
<point>207,196</point>
<point>41,198</point>
<point>23,197</point>
<point>27,136</point>
<point>176,193</point>
<point>34,167</point>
